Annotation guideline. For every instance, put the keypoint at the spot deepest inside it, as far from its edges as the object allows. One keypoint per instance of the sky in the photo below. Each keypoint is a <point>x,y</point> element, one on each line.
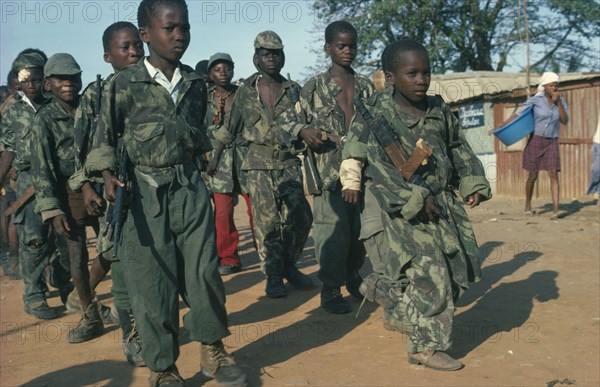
<point>76,27</point>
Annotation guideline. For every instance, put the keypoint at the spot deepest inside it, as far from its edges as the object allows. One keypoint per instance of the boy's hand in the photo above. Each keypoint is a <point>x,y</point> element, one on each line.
<point>110,185</point>
<point>61,226</point>
<point>94,205</point>
<point>474,200</point>
<point>311,137</point>
<point>430,211</point>
<point>350,196</point>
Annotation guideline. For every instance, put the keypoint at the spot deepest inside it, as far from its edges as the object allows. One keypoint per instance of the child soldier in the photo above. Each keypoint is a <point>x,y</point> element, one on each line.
<point>431,241</point>
<point>34,250</point>
<point>156,108</point>
<point>282,217</point>
<point>328,100</point>
<point>225,180</point>
<point>53,164</point>
<point>122,48</point>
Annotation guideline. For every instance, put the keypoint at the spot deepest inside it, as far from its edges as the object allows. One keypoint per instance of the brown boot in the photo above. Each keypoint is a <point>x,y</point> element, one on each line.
<point>169,377</point>
<point>436,360</point>
<point>89,327</point>
<point>217,363</point>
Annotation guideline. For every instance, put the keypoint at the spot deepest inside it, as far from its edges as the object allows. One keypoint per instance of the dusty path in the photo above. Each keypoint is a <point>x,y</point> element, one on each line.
<point>534,319</point>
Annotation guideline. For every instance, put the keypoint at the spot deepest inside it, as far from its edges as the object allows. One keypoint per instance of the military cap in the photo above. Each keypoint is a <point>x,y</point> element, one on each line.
<point>269,40</point>
<point>219,57</point>
<point>61,64</point>
<point>27,61</point>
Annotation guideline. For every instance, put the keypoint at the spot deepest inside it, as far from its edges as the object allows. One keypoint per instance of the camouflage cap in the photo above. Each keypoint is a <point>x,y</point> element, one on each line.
<point>28,61</point>
<point>219,57</point>
<point>268,39</point>
<point>61,64</point>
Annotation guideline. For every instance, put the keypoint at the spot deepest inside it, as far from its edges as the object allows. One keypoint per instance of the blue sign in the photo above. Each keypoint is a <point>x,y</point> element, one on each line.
<point>471,115</point>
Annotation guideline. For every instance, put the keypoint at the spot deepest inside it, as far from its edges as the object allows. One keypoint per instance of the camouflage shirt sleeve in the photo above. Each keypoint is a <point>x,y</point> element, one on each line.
<point>45,176</point>
<point>467,168</point>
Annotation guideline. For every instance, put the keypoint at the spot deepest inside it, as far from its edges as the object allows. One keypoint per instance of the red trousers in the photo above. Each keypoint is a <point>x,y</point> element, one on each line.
<point>227,234</point>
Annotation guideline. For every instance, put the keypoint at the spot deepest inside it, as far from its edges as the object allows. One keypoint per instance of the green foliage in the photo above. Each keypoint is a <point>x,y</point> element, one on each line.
<point>486,35</point>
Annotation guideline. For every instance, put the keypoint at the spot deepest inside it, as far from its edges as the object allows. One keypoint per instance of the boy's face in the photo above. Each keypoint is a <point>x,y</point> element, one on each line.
<point>412,75</point>
<point>125,49</point>
<point>64,87</point>
<point>221,74</point>
<point>270,61</point>
<point>342,49</point>
<point>32,84</point>
<point>168,35</point>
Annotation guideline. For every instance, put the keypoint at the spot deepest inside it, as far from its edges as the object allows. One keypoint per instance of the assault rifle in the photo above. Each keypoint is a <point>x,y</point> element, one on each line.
<point>313,180</point>
<point>118,210</point>
<point>386,137</point>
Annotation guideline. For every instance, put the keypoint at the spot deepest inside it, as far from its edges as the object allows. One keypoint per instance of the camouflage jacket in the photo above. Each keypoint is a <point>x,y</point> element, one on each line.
<point>453,164</point>
<point>231,159</point>
<point>17,134</point>
<point>86,122</point>
<point>53,158</point>
<point>157,133</point>
<point>323,113</point>
<point>271,138</point>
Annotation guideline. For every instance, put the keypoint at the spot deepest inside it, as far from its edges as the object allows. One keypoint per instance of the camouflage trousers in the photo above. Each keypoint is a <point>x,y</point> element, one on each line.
<point>168,245</point>
<point>427,304</point>
<point>282,216</point>
<point>35,249</point>
<point>371,231</point>
<point>336,229</point>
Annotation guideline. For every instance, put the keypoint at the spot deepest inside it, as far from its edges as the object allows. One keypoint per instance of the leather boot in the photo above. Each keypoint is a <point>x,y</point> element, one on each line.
<point>275,287</point>
<point>131,344</point>
<point>333,302</point>
<point>436,360</point>
<point>167,378</point>
<point>89,327</point>
<point>216,363</point>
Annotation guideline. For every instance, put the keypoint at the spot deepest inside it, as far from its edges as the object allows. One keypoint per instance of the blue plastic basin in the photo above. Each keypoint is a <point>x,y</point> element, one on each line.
<point>517,129</point>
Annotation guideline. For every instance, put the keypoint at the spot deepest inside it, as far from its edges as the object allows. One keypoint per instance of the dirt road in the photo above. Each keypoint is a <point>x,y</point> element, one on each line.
<point>534,319</point>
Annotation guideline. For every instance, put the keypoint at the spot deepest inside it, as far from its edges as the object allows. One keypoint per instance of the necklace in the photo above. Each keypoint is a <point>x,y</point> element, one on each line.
<point>219,114</point>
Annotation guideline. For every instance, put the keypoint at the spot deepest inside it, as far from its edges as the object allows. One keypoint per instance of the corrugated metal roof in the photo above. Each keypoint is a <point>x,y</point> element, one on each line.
<point>460,87</point>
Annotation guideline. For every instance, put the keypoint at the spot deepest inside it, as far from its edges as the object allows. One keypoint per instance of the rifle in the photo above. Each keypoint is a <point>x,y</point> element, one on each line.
<point>386,137</point>
<point>313,180</point>
<point>119,211</point>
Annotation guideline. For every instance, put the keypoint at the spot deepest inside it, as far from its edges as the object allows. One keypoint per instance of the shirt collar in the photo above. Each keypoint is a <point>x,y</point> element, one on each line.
<point>155,73</point>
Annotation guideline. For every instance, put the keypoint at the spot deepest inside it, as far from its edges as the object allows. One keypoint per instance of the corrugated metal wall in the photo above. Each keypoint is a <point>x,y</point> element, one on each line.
<point>575,143</point>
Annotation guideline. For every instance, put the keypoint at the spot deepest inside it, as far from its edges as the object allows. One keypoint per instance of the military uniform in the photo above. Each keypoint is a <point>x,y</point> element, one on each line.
<point>439,258</point>
<point>228,181</point>
<point>281,213</point>
<point>168,240</point>
<point>34,250</point>
<point>336,223</point>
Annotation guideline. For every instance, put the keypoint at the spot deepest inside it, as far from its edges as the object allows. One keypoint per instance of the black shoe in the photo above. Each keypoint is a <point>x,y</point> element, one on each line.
<point>333,302</point>
<point>216,363</point>
<point>41,310</point>
<point>352,285</point>
<point>298,279</point>
<point>167,378</point>
<point>229,269</point>
<point>275,287</point>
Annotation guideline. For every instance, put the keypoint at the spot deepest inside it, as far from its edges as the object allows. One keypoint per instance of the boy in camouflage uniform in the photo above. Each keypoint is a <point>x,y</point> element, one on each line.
<point>34,251</point>
<point>122,48</point>
<point>328,100</point>
<point>282,217</point>
<point>225,178</point>
<point>53,164</point>
<point>156,109</point>
<point>431,241</point>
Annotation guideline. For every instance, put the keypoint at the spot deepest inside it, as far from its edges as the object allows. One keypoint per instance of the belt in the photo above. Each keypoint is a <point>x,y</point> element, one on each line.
<point>272,152</point>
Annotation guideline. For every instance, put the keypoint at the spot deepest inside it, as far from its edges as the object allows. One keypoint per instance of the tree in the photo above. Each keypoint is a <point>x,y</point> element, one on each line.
<point>486,35</point>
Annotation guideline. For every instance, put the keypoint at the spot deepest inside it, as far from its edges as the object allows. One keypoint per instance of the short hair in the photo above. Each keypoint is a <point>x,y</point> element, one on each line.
<point>392,54</point>
<point>338,27</point>
<point>34,51</point>
<point>112,29</point>
<point>147,9</point>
